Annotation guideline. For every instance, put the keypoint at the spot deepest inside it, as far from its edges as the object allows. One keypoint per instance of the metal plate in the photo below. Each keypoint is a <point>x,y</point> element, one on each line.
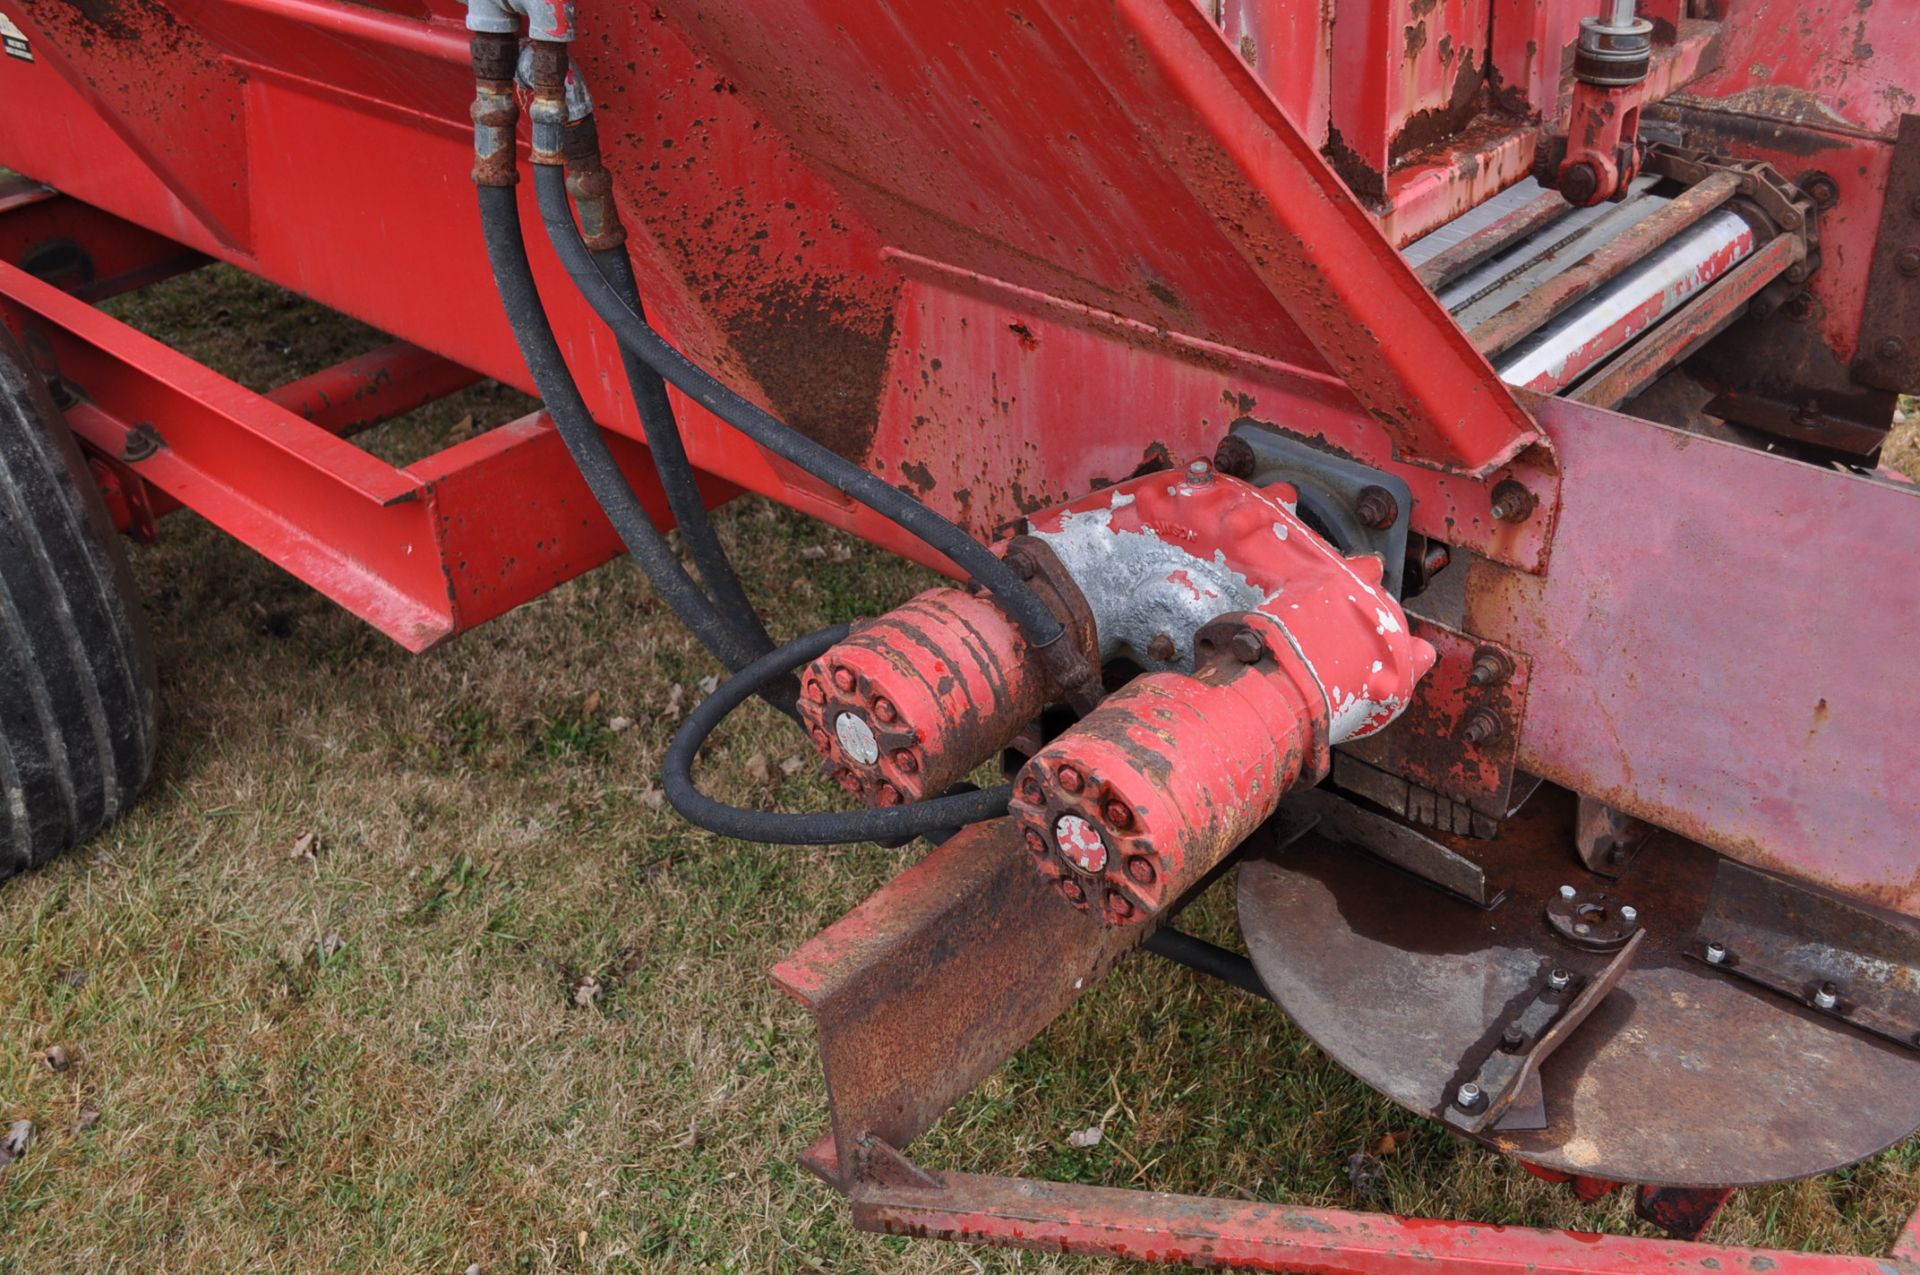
<point>1680,1077</point>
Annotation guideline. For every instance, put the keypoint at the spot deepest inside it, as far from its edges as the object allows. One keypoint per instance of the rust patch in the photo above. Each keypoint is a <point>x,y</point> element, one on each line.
<point>105,17</point>
<point>1366,182</point>
<point>1438,123</point>
<point>821,364</point>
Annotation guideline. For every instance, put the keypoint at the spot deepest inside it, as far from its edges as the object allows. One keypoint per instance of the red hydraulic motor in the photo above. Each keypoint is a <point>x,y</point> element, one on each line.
<point>1261,644</point>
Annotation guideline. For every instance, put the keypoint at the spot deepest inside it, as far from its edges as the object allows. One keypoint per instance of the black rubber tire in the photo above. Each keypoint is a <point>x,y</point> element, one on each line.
<point>77,713</point>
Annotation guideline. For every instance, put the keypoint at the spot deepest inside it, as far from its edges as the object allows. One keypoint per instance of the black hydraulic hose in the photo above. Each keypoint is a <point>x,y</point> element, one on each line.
<point>676,472</point>
<point>1021,603</point>
<point>1207,958</point>
<point>785,828</point>
<point>507,252</point>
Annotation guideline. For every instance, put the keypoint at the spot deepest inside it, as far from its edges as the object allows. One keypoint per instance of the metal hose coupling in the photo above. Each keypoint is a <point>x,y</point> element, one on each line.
<point>496,113</point>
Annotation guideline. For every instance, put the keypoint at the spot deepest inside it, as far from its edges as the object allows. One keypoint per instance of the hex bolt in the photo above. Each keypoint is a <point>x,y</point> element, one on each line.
<point>1716,954</point>
<point>1568,892</point>
<point>1035,842</point>
<point>1559,980</point>
<point>1071,779</point>
<point>1162,648</point>
<point>1629,914</point>
<point>1512,501</point>
<point>1512,1038</point>
<point>1121,906</point>
<point>1828,997</point>
<point>1467,1097</point>
<point>141,442</point>
<point>1117,815</point>
<point>907,762</point>
<point>1891,349</point>
<point>1490,667</point>
<point>1199,473</point>
<point>1247,647</point>
<point>1234,457</point>
<point>1483,726</point>
<point>1908,262</point>
<point>816,692</point>
<point>1072,890</point>
<point>1141,870</point>
<point>1824,191</point>
<point>1023,566</point>
<point>886,794</point>
<point>1376,507</point>
<point>885,711</point>
<point>843,678</point>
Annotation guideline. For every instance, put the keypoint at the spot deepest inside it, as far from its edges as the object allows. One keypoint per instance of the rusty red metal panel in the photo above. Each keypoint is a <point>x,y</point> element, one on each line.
<point>1194,216</point>
<point>938,978</point>
<point>1067,411</point>
<point>1406,74</point>
<point>1288,44</point>
<point>1719,648</point>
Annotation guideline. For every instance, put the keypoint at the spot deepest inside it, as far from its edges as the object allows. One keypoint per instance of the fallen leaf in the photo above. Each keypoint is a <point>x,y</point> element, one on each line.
<point>586,992</point>
<point>757,769</point>
<point>304,847</point>
<point>793,765</point>
<point>88,1119</point>
<point>476,1269</point>
<point>57,1057</point>
<point>329,946</point>
<point>813,553</point>
<point>1388,1143</point>
<point>841,553</point>
<point>592,705</point>
<point>708,685</point>
<point>619,725</point>
<point>462,428</point>
<point>674,697</point>
<point>1084,1138</point>
<point>653,798</point>
<point>15,1144</point>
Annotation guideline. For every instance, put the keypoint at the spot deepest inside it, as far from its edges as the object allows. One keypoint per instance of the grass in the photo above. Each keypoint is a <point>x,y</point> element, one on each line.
<point>513,1012</point>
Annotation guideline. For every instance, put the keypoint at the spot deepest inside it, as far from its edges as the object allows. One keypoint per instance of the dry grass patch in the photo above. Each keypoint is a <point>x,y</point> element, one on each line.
<point>511,1010</point>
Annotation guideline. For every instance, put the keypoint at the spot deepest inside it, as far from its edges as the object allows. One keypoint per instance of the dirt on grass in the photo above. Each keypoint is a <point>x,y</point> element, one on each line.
<point>404,965</point>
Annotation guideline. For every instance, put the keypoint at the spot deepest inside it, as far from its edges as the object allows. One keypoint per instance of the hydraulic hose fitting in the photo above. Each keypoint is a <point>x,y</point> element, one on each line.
<point>549,67</point>
<point>590,186</point>
<point>496,113</point>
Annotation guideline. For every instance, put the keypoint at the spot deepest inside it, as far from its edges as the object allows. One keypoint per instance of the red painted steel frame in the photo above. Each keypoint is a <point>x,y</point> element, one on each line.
<point>1154,1227</point>
<point>421,552</point>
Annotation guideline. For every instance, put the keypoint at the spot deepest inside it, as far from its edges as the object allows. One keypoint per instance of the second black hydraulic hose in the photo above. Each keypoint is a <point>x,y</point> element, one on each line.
<point>506,251</point>
<point>1021,603</point>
